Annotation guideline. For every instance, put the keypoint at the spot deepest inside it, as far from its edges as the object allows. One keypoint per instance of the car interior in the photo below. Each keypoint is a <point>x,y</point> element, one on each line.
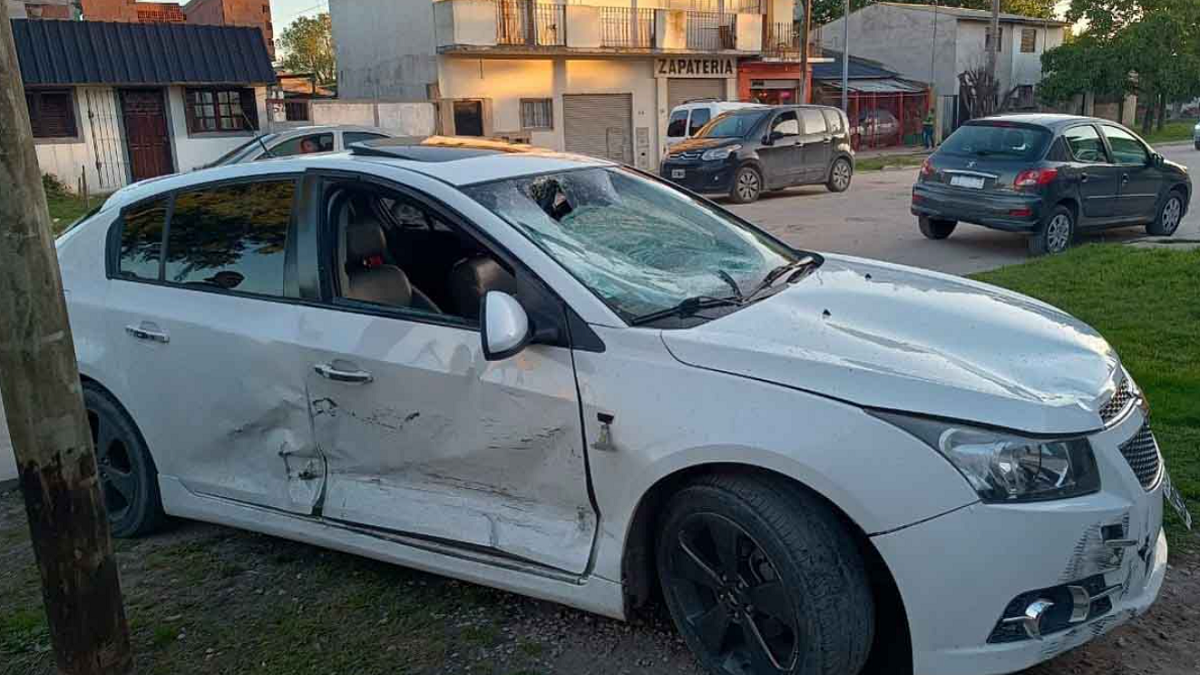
<point>395,252</point>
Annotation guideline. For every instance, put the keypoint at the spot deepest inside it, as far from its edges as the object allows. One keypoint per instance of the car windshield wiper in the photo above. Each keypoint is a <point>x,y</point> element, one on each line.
<point>688,308</point>
<point>774,275</point>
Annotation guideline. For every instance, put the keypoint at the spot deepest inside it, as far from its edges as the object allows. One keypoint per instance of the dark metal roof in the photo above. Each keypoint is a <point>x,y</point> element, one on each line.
<point>859,68</point>
<point>100,52</point>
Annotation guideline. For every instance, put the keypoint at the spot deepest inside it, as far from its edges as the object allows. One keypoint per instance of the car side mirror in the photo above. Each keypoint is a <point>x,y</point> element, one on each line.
<point>505,325</point>
<point>772,137</point>
<point>1156,159</point>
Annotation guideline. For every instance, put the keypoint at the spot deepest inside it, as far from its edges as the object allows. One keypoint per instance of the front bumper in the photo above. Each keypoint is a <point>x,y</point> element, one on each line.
<point>958,573</point>
<point>699,176</point>
<point>990,209</point>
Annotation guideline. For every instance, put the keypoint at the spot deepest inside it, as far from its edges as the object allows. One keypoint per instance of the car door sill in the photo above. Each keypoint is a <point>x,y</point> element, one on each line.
<point>473,554</point>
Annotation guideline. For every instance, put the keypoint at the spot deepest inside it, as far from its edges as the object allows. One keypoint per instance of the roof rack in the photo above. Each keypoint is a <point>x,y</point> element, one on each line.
<point>704,99</point>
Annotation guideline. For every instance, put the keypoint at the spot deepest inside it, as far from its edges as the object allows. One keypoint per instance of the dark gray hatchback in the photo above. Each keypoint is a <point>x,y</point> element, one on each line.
<point>744,153</point>
<point>1049,176</point>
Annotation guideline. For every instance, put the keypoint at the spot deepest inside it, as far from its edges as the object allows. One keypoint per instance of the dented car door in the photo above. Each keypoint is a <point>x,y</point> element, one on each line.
<point>205,335</point>
<point>424,437</point>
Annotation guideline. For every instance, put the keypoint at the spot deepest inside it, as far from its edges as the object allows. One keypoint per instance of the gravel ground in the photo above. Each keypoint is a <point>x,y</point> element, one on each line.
<point>207,599</point>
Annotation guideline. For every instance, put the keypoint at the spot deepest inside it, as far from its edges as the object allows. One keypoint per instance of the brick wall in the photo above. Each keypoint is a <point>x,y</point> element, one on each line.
<point>234,13</point>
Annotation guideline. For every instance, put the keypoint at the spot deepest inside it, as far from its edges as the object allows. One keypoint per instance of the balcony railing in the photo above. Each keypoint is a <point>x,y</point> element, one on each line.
<point>515,18</point>
<point>711,31</point>
<point>782,41</point>
<point>626,27</point>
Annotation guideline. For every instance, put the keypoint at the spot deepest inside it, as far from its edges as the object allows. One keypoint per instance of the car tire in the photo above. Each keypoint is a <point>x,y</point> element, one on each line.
<point>747,185</point>
<point>1055,233</point>
<point>840,175</point>
<point>933,228</point>
<point>788,594</point>
<point>128,477</point>
<point>1170,215</point>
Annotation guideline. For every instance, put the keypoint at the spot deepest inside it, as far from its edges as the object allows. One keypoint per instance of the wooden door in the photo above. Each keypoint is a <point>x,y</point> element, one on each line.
<point>146,134</point>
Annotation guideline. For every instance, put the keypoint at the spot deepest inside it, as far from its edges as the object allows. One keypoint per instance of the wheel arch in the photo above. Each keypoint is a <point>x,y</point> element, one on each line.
<point>88,379</point>
<point>1072,205</point>
<point>891,651</point>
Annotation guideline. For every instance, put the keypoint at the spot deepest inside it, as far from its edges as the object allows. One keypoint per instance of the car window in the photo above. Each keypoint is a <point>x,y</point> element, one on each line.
<point>1005,140</point>
<point>231,236</point>
<point>141,240</point>
<point>1126,148</point>
<point>834,120</point>
<point>814,121</point>
<point>639,245</point>
<point>678,126</point>
<point>1085,145</point>
<point>787,124</point>
<point>732,125</point>
<point>1059,152</point>
<point>351,137</point>
<point>302,145</point>
<point>700,117</point>
<point>244,150</point>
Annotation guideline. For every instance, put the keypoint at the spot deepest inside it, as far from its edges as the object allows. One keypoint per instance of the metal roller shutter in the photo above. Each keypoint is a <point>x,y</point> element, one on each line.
<point>680,90</point>
<point>600,125</point>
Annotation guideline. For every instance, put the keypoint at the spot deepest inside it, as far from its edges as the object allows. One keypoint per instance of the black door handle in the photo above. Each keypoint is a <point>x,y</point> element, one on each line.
<point>1083,177</point>
<point>1125,178</point>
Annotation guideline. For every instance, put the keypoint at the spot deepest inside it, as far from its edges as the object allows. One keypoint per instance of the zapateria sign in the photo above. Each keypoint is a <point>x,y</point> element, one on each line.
<point>694,67</point>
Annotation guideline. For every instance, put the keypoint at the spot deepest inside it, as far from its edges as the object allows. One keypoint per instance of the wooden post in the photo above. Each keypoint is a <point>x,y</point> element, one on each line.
<point>804,68</point>
<point>994,41</point>
<point>39,381</point>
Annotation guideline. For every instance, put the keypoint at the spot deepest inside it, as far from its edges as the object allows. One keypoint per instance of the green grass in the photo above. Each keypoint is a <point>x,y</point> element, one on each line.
<point>878,163</point>
<point>66,208</point>
<point>1172,132</point>
<point>1144,302</point>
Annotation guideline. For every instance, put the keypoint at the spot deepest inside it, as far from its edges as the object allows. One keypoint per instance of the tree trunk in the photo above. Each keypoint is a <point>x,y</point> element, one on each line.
<point>1162,111</point>
<point>1148,117</point>
<point>46,419</point>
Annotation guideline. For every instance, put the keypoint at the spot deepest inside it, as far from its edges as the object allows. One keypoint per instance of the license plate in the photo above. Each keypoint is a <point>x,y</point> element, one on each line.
<point>967,182</point>
<point>677,173</point>
<point>1176,501</point>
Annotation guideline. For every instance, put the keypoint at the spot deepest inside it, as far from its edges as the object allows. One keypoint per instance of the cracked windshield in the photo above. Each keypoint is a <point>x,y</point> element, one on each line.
<point>641,247</point>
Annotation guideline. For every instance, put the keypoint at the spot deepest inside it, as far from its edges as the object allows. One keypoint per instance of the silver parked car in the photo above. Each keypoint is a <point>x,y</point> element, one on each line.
<point>298,141</point>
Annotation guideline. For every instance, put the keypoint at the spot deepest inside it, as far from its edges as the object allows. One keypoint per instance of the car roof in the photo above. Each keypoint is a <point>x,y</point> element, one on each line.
<point>453,160</point>
<point>1048,120</point>
<point>319,128</point>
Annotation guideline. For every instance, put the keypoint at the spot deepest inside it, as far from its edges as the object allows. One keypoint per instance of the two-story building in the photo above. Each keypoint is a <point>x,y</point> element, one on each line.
<point>935,44</point>
<point>592,76</point>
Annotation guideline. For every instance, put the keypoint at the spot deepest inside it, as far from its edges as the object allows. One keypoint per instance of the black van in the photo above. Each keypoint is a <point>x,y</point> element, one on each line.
<point>743,153</point>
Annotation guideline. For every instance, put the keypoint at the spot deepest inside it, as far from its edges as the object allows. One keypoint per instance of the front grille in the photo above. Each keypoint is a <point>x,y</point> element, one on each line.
<point>1141,452</point>
<point>1118,401</point>
<point>691,154</point>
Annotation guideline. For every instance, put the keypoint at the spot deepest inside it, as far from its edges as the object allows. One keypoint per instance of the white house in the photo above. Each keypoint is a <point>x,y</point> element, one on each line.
<point>120,102</point>
<point>593,76</point>
<point>935,44</point>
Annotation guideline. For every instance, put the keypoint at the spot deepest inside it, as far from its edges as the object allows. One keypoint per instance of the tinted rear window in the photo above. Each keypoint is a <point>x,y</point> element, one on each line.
<point>141,240</point>
<point>231,237</point>
<point>677,128</point>
<point>1006,141</point>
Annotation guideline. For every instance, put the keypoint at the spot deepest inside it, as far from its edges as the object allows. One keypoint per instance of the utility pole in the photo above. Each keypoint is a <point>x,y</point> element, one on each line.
<point>804,71</point>
<point>846,59</point>
<point>39,381</point>
<point>994,40</point>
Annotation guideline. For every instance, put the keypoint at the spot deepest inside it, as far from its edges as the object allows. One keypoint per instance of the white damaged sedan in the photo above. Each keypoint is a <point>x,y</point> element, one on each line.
<point>568,379</point>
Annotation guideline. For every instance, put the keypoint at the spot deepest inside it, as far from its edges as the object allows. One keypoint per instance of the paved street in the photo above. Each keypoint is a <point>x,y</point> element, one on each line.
<point>872,220</point>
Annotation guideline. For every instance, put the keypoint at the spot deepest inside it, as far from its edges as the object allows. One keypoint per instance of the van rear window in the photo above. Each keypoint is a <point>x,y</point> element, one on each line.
<point>1009,141</point>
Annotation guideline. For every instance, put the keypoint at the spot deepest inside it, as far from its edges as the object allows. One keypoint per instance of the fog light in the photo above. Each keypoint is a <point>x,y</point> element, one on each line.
<point>1031,620</point>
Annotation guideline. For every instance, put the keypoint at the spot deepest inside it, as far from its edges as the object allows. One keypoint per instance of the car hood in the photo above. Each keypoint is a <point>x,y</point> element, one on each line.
<point>693,144</point>
<point>897,338</point>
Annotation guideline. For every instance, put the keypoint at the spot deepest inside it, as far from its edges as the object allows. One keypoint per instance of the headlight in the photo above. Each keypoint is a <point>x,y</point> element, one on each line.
<point>1004,467</point>
<point>719,153</point>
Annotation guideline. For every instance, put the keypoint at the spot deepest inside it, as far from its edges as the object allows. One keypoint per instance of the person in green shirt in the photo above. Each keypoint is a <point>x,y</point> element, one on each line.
<point>927,130</point>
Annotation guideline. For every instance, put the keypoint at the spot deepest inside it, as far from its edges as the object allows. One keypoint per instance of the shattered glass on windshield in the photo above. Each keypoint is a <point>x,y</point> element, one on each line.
<point>641,246</point>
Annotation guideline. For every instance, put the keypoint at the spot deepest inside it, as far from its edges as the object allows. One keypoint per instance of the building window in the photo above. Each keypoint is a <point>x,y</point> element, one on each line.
<point>51,113</point>
<point>266,9</point>
<point>537,113</point>
<point>1028,40</point>
<point>987,39</point>
<point>221,110</point>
